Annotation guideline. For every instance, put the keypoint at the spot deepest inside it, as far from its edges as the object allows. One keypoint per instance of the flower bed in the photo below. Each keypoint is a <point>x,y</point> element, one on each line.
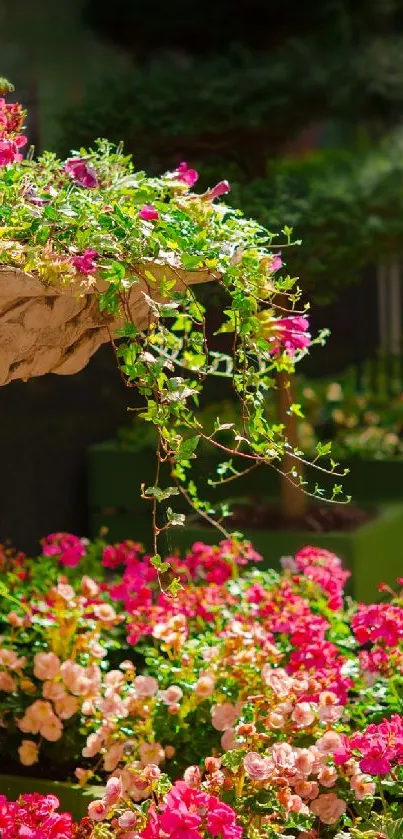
<point>270,703</point>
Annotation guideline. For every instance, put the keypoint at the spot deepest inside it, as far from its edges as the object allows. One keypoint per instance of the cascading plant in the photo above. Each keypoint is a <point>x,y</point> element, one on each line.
<point>94,217</point>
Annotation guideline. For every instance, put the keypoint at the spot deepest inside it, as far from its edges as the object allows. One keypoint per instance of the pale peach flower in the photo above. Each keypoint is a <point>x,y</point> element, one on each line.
<point>363,786</point>
<point>145,686</point>
<point>8,658</point>
<point>7,683</point>
<point>275,720</point>
<point>76,678</point>
<point>204,686</point>
<point>225,715</point>
<point>53,691</point>
<point>303,715</point>
<point>65,591</point>
<point>283,755</point>
<point>105,613</point>
<point>66,707</point>
<point>52,730</point>
<point>89,587</point>
<point>210,652</point>
<point>151,753</point>
<point>97,810</point>
<point>278,680</point>
<point>28,752</point>
<point>114,678</point>
<point>113,757</point>
<point>307,789</point>
<point>329,709</point>
<point>46,666</point>
<point>329,742</point>
<point>15,620</point>
<point>327,776</point>
<point>229,740</point>
<point>328,807</point>
<point>304,761</point>
<point>93,745</point>
<point>171,695</point>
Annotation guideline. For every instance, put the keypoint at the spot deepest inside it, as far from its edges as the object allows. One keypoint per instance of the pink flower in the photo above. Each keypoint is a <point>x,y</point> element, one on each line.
<point>46,666</point>
<point>113,791</point>
<point>222,188</point>
<point>127,819</point>
<point>9,150</point>
<point>328,807</point>
<point>97,810</point>
<point>68,549</point>
<point>149,213</point>
<point>258,768</point>
<point>289,334</point>
<point>192,776</point>
<point>81,172</point>
<point>85,264</point>
<point>186,175</point>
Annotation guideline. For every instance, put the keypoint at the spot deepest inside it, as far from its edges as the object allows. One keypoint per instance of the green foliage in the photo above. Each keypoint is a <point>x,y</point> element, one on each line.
<point>346,206</point>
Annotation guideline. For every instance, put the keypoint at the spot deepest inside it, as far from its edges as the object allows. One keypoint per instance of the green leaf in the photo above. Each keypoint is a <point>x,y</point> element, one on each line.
<point>232,760</point>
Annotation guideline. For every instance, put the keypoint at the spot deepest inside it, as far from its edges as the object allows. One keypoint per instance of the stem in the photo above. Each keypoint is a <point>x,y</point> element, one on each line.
<point>294,501</point>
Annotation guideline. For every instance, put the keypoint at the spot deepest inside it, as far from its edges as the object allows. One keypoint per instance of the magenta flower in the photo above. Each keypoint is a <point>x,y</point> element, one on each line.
<point>149,213</point>
<point>66,547</point>
<point>86,262</point>
<point>81,172</point>
<point>222,188</point>
<point>9,150</point>
<point>186,175</point>
<point>289,334</point>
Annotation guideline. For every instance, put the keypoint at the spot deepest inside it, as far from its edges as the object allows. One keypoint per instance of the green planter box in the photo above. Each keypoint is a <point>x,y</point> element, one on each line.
<point>115,475</point>
<point>373,553</point>
<point>374,481</point>
<point>72,798</point>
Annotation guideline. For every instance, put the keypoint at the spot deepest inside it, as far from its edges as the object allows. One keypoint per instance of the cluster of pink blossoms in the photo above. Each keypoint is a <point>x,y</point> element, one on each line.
<point>380,747</point>
<point>11,141</point>
<point>185,812</point>
<point>68,549</point>
<point>34,816</point>
<point>325,569</point>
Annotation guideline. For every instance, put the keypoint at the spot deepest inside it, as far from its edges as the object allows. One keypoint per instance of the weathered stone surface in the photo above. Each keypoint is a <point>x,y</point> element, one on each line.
<point>48,329</point>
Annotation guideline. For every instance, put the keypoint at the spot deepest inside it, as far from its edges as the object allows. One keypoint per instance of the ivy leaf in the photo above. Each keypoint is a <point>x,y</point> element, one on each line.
<point>174,587</point>
<point>175,519</point>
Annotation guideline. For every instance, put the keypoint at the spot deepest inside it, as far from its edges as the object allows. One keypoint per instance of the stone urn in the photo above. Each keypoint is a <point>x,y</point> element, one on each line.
<point>57,328</point>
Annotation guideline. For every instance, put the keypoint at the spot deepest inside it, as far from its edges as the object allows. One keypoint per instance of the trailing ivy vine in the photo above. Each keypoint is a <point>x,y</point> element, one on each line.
<point>95,216</point>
